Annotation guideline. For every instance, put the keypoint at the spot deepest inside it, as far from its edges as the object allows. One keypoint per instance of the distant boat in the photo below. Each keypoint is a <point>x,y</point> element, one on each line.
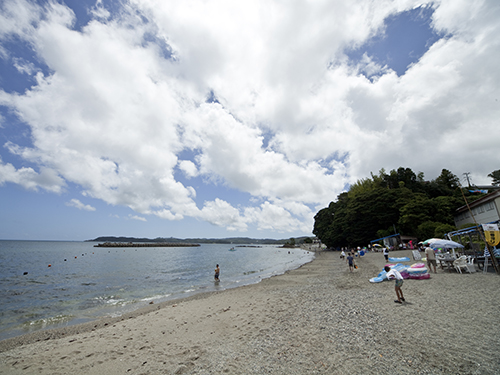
<point>232,249</point>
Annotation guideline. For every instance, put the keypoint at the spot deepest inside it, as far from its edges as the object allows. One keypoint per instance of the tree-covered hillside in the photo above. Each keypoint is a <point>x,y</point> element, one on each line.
<point>399,200</point>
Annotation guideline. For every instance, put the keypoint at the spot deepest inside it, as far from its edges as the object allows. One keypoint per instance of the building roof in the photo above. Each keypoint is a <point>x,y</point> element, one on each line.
<point>486,198</point>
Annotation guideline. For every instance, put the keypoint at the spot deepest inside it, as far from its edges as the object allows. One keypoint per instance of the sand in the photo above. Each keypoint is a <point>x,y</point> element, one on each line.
<point>318,319</point>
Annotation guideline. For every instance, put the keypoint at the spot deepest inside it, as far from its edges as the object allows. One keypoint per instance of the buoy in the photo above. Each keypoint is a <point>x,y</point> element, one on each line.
<point>65,260</point>
<point>25,273</point>
<point>75,257</point>
<point>50,265</point>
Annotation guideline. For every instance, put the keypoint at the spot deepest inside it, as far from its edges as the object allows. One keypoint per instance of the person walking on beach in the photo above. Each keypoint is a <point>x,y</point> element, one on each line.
<point>386,254</point>
<point>394,274</point>
<point>342,254</point>
<point>217,272</point>
<point>431,258</point>
<point>350,259</point>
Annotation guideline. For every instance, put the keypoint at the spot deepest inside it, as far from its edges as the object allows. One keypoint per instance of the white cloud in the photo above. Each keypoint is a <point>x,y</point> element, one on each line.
<point>295,120</point>
<point>77,204</point>
<point>189,168</point>
<point>221,213</point>
<point>46,179</point>
<point>24,66</point>
<point>138,218</point>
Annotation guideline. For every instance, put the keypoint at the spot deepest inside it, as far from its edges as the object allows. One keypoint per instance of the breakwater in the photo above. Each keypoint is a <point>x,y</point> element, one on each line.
<point>145,244</point>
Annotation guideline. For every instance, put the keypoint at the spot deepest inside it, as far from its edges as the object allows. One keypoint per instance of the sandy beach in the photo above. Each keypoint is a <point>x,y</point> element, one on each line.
<point>318,319</point>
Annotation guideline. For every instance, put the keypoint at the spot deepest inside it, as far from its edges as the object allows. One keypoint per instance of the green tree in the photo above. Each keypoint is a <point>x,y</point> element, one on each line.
<point>495,175</point>
<point>427,229</point>
<point>448,180</point>
<point>372,205</point>
<point>442,229</point>
<point>445,207</point>
<point>414,212</point>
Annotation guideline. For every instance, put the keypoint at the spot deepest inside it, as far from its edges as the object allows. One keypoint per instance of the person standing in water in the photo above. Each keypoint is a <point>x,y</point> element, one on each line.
<point>217,272</point>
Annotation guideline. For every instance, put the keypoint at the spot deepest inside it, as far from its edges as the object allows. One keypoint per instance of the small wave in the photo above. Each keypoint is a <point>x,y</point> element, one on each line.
<point>46,322</point>
<point>35,282</point>
<point>158,297</point>
<point>109,300</point>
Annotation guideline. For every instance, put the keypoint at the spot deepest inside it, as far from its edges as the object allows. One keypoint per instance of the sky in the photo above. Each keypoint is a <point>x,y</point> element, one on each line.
<point>214,119</point>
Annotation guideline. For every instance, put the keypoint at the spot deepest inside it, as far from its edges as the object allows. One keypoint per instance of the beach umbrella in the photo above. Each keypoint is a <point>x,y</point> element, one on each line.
<point>430,240</point>
<point>445,244</point>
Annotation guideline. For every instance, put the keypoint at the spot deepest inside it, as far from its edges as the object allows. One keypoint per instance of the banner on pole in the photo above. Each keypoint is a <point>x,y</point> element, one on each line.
<point>491,234</point>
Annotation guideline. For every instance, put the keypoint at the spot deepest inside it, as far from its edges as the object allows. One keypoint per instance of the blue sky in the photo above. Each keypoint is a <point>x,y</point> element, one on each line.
<point>223,119</point>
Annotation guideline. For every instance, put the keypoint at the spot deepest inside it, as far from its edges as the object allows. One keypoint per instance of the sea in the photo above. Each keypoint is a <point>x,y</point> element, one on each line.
<point>52,284</point>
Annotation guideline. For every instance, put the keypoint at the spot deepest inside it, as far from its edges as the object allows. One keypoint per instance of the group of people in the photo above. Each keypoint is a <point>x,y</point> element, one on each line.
<point>392,274</point>
<point>349,258</point>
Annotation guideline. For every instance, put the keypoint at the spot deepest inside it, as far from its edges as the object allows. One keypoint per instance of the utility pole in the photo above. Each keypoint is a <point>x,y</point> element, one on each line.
<point>467,177</point>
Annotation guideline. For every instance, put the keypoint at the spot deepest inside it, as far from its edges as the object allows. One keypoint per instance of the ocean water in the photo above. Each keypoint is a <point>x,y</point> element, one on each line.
<point>85,283</point>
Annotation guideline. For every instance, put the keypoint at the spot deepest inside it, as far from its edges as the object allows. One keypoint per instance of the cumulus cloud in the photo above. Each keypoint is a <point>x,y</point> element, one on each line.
<point>135,217</point>
<point>77,204</point>
<point>260,94</point>
<point>46,179</point>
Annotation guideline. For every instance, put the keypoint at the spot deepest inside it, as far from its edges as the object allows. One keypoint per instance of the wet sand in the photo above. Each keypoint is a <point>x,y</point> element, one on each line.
<point>319,319</point>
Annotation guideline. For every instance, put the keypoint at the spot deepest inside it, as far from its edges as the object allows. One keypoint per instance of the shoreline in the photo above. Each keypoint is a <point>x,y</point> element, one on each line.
<point>92,325</point>
<point>318,318</point>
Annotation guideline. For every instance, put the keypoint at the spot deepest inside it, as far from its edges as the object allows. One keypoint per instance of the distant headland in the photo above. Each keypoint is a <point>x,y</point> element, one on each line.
<point>190,241</point>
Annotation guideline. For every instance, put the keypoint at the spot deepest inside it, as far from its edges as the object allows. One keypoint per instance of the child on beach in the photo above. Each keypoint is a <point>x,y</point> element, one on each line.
<point>217,271</point>
<point>350,259</point>
<point>394,274</point>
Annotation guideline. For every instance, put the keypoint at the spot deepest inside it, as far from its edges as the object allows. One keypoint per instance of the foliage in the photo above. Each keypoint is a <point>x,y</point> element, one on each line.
<point>495,175</point>
<point>427,229</point>
<point>441,229</point>
<point>374,206</point>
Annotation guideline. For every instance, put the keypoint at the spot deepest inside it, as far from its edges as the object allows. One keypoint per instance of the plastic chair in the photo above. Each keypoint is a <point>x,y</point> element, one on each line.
<point>470,264</point>
<point>461,263</point>
<point>486,263</point>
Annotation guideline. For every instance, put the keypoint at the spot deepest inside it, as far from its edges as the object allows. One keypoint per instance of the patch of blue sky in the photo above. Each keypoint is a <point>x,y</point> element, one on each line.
<point>164,49</point>
<point>48,216</point>
<point>212,98</point>
<point>83,10</point>
<point>331,160</point>
<point>404,40</point>
<point>208,188</point>
<point>267,138</point>
<point>14,131</point>
<point>19,67</point>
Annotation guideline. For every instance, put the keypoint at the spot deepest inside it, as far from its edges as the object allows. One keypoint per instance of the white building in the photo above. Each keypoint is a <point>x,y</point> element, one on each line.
<point>485,210</point>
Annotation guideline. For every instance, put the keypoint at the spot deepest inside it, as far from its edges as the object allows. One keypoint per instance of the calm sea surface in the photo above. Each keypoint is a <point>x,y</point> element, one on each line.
<point>84,283</point>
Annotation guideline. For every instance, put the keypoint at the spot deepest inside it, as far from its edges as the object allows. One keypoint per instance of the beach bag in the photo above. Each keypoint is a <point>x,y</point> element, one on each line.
<point>355,266</point>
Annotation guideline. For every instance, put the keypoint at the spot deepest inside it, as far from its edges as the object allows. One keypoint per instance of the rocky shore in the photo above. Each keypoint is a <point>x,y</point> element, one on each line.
<point>318,319</point>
